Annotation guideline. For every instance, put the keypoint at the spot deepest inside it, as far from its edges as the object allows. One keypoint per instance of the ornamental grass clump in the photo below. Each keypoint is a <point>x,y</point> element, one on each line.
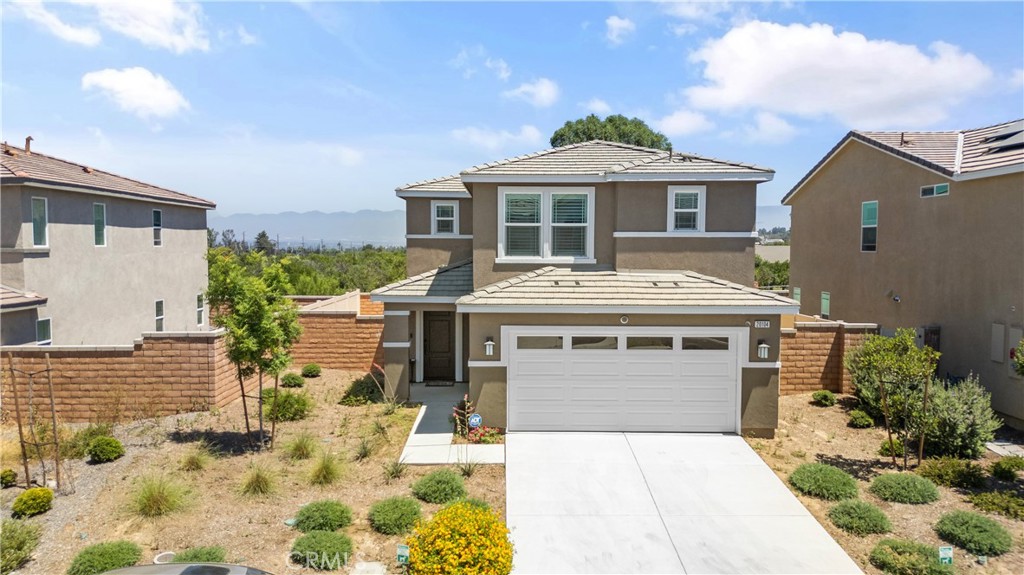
<point>859,517</point>
<point>214,554</point>
<point>301,447</point>
<point>103,557</point>
<point>953,472</point>
<point>975,533</point>
<point>324,515</point>
<point>197,458</point>
<point>904,488</point>
<point>32,502</point>
<point>18,540</point>
<point>258,481</point>
<point>394,515</point>
<point>902,557</point>
<point>322,550</point>
<point>461,538</point>
<point>158,495</point>
<point>326,470</point>
<point>823,481</point>
<point>439,486</point>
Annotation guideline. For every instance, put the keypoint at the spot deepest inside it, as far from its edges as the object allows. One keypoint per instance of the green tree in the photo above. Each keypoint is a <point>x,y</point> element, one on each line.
<point>616,128</point>
<point>263,243</point>
<point>211,237</point>
<point>769,274</point>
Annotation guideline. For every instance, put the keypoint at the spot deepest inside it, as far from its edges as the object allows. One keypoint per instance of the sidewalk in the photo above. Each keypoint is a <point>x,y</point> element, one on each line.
<point>430,442</point>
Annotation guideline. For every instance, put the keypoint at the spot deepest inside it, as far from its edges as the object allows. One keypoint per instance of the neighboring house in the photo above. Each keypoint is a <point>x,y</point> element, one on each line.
<point>596,286</point>
<point>772,253</point>
<point>922,230</point>
<point>92,258</point>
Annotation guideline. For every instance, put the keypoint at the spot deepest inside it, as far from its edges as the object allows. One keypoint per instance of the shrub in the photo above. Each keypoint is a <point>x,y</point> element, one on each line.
<point>973,532</point>
<point>472,501</point>
<point>292,380</point>
<point>325,515</point>
<point>889,448</point>
<point>201,555</point>
<point>362,391</point>
<point>461,538</point>
<point>104,449</point>
<point>1001,502</point>
<point>77,446</point>
<point>302,446</point>
<point>1018,358</point>
<point>902,557</point>
<point>859,518</point>
<point>197,458</point>
<point>953,472</point>
<point>963,420</point>
<point>18,540</point>
<point>258,481</point>
<point>311,370</point>
<point>824,398</point>
<point>895,359</point>
<point>1007,467</point>
<point>904,488</point>
<point>159,495</point>
<point>103,557</point>
<point>394,469</point>
<point>439,486</point>
<point>289,406</point>
<point>823,481</point>
<point>394,515</point>
<point>322,550</point>
<point>860,420</point>
<point>32,502</point>
<point>8,478</point>
<point>485,435</point>
<point>325,471</point>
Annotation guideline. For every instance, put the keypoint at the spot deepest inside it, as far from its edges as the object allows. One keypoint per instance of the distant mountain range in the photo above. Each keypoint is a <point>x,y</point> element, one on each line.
<point>352,229</point>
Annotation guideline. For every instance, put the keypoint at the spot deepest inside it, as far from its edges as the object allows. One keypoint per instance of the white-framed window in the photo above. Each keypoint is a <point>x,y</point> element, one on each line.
<point>99,225</point>
<point>40,223</point>
<point>159,313</point>
<point>796,294</point>
<point>826,304</point>
<point>549,224</point>
<point>200,310</point>
<point>44,333</point>
<point>686,208</point>
<point>934,190</point>
<point>869,226</point>
<point>158,228</point>
<point>444,217</point>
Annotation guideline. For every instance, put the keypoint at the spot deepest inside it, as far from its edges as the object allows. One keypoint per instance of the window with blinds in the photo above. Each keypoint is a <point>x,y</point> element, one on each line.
<point>523,225</point>
<point>546,223</point>
<point>686,211</point>
<point>569,225</point>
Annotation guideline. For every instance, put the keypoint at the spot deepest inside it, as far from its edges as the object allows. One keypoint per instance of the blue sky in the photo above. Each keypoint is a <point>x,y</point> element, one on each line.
<point>276,106</point>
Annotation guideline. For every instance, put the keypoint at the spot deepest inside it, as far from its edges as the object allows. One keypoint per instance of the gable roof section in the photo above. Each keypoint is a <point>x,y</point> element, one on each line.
<point>20,167</point>
<point>559,290</point>
<point>443,285</point>
<point>957,155</point>
<point>14,299</point>
<point>445,185</point>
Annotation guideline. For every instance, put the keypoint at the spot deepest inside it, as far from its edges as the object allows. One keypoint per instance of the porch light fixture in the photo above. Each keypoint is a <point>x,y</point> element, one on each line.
<point>489,346</point>
<point>762,349</point>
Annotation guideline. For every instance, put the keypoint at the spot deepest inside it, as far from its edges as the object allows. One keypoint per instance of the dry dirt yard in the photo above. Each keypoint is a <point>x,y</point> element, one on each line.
<point>251,530</point>
<point>808,433</point>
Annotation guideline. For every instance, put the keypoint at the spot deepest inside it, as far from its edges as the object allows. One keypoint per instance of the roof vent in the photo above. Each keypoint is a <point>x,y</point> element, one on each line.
<point>28,145</point>
<point>87,169</point>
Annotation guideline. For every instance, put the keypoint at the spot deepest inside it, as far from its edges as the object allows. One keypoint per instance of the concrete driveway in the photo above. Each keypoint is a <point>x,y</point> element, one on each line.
<point>656,503</point>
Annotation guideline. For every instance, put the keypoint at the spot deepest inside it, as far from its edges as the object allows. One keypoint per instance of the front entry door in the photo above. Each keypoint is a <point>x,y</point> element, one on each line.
<point>439,345</point>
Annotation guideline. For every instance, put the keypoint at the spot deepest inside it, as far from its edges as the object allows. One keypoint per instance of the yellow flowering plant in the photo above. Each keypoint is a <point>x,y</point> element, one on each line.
<point>462,538</point>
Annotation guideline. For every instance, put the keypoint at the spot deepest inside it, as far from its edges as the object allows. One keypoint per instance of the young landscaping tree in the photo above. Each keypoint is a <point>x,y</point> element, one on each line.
<point>615,128</point>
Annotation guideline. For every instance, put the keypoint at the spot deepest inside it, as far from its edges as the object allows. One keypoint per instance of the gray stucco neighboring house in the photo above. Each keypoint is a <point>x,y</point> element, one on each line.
<point>92,258</point>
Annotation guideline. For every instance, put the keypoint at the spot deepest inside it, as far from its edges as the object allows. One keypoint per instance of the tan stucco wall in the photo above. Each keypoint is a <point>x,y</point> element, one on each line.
<point>425,255</point>
<point>731,259</point>
<point>954,261</point>
<point>731,206</point>
<point>759,405</point>
<point>417,215</point>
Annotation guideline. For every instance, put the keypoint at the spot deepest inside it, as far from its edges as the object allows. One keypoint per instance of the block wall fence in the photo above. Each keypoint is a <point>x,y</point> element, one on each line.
<point>812,355</point>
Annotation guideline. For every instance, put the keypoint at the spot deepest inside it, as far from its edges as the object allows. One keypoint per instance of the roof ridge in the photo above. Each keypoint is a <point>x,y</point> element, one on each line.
<point>540,153</point>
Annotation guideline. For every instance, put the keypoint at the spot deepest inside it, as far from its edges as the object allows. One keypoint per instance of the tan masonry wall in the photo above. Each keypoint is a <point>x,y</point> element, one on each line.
<point>812,354</point>
<point>342,339</point>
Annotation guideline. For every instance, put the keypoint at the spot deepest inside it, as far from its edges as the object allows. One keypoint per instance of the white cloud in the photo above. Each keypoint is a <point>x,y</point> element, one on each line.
<point>245,37</point>
<point>769,129</point>
<point>597,106</point>
<point>175,26</point>
<point>683,123</point>
<point>500,67</point>
<point>35,11</point>
<point>469,60</point>
<point>618,29</point>
<point>498,139</point>
<point>345,155</point>
<point>137,91</point>
<point>812,72</point>
<point>698,11</point>
<point>541,93</point>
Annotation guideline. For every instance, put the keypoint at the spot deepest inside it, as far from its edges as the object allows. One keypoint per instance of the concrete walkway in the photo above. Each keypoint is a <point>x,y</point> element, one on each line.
<point>430,442</point>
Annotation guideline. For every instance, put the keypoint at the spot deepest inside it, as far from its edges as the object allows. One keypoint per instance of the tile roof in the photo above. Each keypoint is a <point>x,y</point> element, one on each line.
<point>686,164</point>
<point>452,281</point>
<point>559,287</point>
<point>21,167</point>
<point>442,184</point>
<point>12,299</point>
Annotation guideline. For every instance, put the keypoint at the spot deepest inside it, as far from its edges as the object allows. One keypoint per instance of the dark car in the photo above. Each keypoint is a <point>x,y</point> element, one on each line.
<point>189,569</point>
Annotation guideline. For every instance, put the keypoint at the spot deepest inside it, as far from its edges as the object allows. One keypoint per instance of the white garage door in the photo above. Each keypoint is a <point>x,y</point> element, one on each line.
<point>624,379</point>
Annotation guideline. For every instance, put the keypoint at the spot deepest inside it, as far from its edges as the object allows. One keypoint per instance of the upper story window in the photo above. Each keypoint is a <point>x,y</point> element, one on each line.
<point>686,208</point>
<point>553,224</point>
<point>40,227</point>
<point>200,310</point>
<point>936,190</point>
<point>868,226</point>
<point>826,304</point>
<point>159,315</point>
<point>44,335</point>
<point>796,294</point>
<point>99,224</point>
<point>444,217</point>
<point>158,227</point>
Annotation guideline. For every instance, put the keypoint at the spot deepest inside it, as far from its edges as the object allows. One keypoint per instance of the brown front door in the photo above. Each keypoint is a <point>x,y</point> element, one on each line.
<point>439,345</point>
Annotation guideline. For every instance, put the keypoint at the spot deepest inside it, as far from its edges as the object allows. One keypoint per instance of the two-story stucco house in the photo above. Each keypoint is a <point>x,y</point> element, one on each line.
<point>596,286</point>
<point>921,230</point>
<point>91,258</point>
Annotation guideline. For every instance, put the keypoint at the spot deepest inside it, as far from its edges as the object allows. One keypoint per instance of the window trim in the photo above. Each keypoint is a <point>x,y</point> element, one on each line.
<point>546,228</point>
<point>824,310</point>
<point>200,310</point>
<point>103,229</point>
<point>158,229</point>
<point>433,217</point>
<point>158,318</point>
<point>46,221</point>
<point>701,209</point>
<point>49,322</point>
<point>934,193</point>
<point>863,227</point>
<point>795,294</point>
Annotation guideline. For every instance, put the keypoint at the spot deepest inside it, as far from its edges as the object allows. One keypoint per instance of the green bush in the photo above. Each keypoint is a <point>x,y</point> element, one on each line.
<point>159,495</point>
<point>104,449</point>
<point>326,470</point>
<point>311,370</point>
<point>103,557</point>
<point>394,515</point>
<point>902,557</point>
<point>77,446</point>
<point>292,380</point>
<point>888,449</point>
<point>302,446</point>
<point>823,481</point>
<point>1007,467</point>
<point>859,518</point>
<point>258,481</point>
<point>201,555</point>
<point>439,486</point>
<point>325,515</point>
<point>892,359</point>
<point>824,398</point>
<point>953,472</point>
<point>322,550</point>
<point>32,502</point>
<point>1018,358</point>
<point>1001,502</point>
<point>471,501</point>
<point>975,533</point>
<point>860,419</point>
<point>904,488</point>
<point>290,406</point>
<point>18,540</point>
<point>362,391</point>
<point>962,420</point>
<point>8,478</point>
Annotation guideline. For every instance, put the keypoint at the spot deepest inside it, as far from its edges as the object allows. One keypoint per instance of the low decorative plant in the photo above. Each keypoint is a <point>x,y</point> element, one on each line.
<point>157,495</point>
<point>860,420</point>
<point>859,518</point>
<point>394,469</point>
<point>301,447</point>
<point>824,398</point>
<point>461,538</point>
<point>439,486</point>
<point>1007,468</point>
<point>214,554</point>
<point>394,515</point>
<point>197,458</point>
<point>364,390</point>
<point>889,448</point>
<point>104,449</point>
<point>103,557</point>
<point>1002,502</point>
<point>32,502</point>
<point>290,406</point>
<point>823,481</point>
<point>322,550</point>
<point>18,540</point>
<point>76,447</point>
<point>311,370</point>
<point>292,380</point>
<point>324,515</point>
<point>326,470</point>
<point>975,533</point>
<point>904,488</point>
<point>902,557</point>
<point>953,472</point>
<point>485,435</point>
<point>258,481</point>
<point>8,478</point>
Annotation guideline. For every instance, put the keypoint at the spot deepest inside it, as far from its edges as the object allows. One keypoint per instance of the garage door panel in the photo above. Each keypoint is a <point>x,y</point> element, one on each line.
<point>528,367</point>
<point>647,393</point>
<point>595,391</point>
<point>663,368</point>
<point>710,368</point>
<point>592,418</point>
<point>539,391</point>
<point>594,368</point>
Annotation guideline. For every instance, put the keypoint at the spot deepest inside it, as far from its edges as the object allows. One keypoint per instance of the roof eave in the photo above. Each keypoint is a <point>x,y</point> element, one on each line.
<point>443,194</point>
<point>64,186</point>
<point>468,307</point>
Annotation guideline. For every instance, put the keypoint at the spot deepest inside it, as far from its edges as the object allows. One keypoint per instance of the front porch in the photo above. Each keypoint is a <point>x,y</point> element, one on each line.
<point>430,442</point>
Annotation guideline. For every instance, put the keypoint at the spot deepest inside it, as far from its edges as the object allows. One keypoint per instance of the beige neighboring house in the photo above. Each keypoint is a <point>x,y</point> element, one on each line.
<point>91,258</point>
<point>922,230</point>
<point>595,286</point>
